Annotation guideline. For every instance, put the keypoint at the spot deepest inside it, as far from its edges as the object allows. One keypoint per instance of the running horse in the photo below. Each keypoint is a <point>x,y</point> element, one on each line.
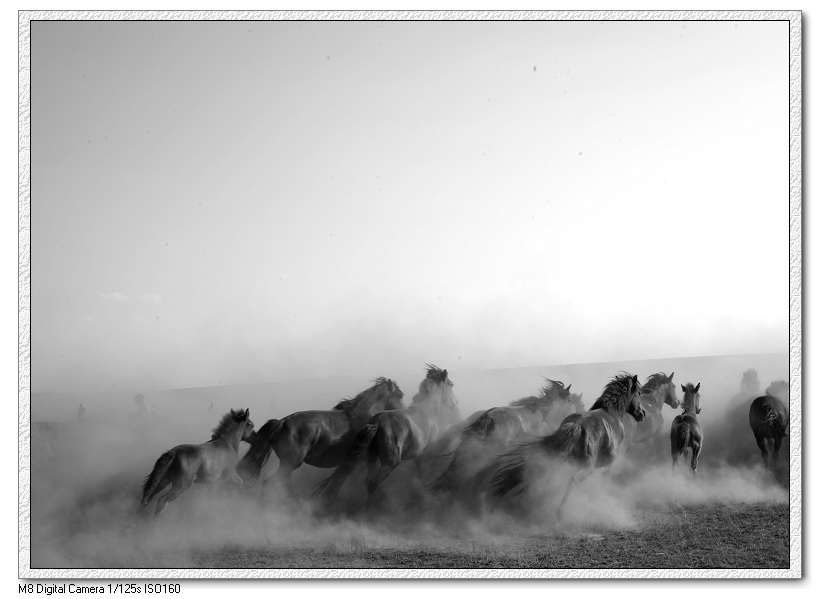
<point>207,462</point>
<point>686,432</point>
<point>769,419</point>
<point>497,428</point>
<point>655,392</point>
<point>393,436</point>
<point>319,438</point>
<point>588,440</point>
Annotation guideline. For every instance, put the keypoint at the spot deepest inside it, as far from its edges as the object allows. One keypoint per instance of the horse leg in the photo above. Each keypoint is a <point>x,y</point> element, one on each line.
<point>696,446</point>
<point>576,478</point>
<point>375,476</point>
<point>778,441</point>
<point>673,437</point>
<point>281,480</point>
<point>178,487</point>
<point>761,443</point>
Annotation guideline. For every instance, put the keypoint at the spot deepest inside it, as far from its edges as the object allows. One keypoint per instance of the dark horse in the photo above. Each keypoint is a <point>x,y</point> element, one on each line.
<point>589,440</point>
<point>686,432</point>
<point>769,420</point>
<point>655,392</point>
<point>208,462</point>
<point>495,429</point>
<point>320,438</point>
<point>396,435</point>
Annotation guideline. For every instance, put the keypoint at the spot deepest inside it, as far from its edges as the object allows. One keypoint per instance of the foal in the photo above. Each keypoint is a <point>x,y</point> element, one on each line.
<point>686,432</point>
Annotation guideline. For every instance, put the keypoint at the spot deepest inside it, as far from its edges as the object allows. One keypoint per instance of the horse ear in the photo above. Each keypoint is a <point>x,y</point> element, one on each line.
<point>568,388</point>
<point>696,388</point>
<point>683,387</point>
<point>671,375</point>
<point>247,413</point>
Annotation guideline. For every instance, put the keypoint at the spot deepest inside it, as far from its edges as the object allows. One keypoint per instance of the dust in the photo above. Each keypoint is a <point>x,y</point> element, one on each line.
<point>86,478</point>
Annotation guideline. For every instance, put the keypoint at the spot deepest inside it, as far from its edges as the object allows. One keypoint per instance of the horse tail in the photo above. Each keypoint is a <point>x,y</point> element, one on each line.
<point>329,488</point>
<point>261,446</point>
<point>151,486</point>
<point>683,436</point>
<point>478,430</point>
<point>445,483</point>
<point>523,462</point>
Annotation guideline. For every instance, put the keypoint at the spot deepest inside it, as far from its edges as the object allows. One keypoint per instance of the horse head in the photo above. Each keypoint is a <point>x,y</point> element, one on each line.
<point>750,384</point>
<point>691,398</point>
<point>392,396</point>
<point>670,398</point>
<point>633,407</point>
<point>564,402</point>
<point>779,389</point>
<point>247,433</point>
<point>438,387</point>
<point>388,394</point>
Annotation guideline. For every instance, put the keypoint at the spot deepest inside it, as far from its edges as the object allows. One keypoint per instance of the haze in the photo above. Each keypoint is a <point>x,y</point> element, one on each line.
<point>237,202</point>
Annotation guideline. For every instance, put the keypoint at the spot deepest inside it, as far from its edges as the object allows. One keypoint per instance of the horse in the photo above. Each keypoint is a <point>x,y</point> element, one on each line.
<point>779,389</point>
<point>495,429</point>
<point>655,392</point>
<point>319,438</point>
<point>393,436</point>
<point>749,389</point>
<point>588,440</point>
<point>686,432</point>
<point>769,420</point>
<point>205,463</point>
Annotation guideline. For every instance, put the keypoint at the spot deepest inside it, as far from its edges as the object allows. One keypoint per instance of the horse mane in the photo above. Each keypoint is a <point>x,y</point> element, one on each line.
<point>616,393</point>
<point>434,374</point>
<point>228,421</point>
<point>532,402</point>
<point>653,381</point>
<point>771,418</point>
<point>555,390</point>
<point>349,403</point>
<point>551,392</point>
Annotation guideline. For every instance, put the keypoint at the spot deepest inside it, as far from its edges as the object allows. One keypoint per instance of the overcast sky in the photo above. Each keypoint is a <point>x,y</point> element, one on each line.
<point>235,202</point>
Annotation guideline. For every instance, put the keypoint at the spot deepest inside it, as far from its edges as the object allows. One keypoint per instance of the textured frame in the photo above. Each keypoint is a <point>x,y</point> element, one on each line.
<point>24,294</point>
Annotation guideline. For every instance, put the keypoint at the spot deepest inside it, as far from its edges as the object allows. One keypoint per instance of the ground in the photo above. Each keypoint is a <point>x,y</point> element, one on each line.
<point>716,536</point>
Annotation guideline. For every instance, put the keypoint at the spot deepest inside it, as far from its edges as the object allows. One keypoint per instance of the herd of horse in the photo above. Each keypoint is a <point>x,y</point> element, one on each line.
<point>500,451</point>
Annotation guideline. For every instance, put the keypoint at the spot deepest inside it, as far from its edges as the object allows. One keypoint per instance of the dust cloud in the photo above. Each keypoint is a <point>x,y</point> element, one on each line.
<point>86,474</point>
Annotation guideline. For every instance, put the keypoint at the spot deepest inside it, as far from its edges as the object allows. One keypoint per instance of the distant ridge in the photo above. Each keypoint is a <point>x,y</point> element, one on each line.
<point>488,386</point>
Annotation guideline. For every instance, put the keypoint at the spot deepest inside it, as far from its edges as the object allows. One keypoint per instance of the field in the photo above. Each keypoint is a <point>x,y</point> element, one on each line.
<point>86,478</point>
<point>713,536</point>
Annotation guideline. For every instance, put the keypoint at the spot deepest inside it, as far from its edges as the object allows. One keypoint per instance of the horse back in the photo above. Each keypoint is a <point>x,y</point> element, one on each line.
<point>502,424</point>
<point>768,416</point>
<point>208,460</point>
<point>599,436</point>
<point>691,421</point>
<point>403,430</point>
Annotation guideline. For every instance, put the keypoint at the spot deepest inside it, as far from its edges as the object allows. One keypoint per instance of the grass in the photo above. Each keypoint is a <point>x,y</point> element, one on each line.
<point>713,536</point>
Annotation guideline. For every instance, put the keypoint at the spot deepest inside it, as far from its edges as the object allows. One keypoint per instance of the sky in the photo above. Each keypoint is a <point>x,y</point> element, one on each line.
<point>229,202</point>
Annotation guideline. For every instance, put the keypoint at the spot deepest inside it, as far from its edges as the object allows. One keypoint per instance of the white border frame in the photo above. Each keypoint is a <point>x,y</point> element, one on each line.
<point>24,297</point>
